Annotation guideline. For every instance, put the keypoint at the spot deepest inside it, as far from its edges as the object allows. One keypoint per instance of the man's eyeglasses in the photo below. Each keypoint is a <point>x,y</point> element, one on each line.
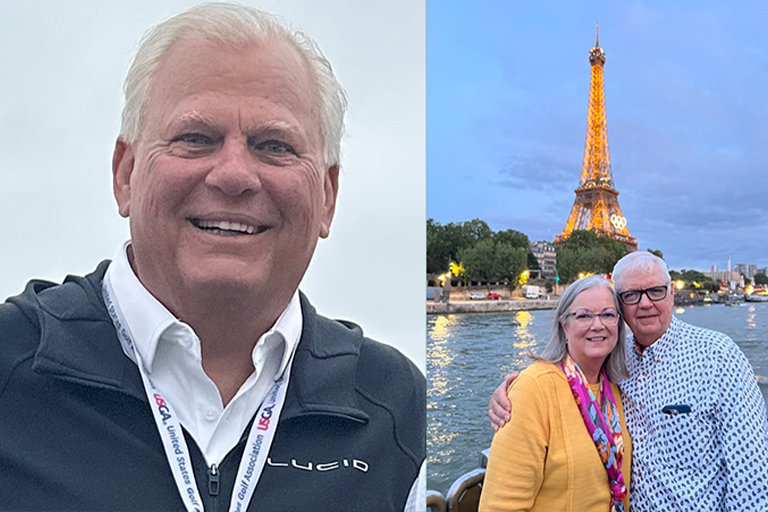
<point>656,293</point>
<point>585,318</point>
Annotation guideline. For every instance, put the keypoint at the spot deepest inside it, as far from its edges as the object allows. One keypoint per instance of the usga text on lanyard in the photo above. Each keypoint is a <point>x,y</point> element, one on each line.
<point>259,439</point>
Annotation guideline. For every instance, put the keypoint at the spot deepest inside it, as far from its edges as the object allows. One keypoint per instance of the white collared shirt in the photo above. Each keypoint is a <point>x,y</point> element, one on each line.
<point>713,458</point>
<point>171,353</point>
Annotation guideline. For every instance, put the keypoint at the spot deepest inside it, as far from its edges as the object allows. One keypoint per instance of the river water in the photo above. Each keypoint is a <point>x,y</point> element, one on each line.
<point>468,355</point>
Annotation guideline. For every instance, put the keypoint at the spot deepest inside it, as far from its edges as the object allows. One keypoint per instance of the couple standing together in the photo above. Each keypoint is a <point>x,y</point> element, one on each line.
<point>671,419</point>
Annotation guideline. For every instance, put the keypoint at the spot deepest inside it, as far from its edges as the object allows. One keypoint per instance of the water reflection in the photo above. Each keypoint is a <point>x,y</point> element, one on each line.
<point>524,338</point>
<point>441,353</point>
<point>751,317</point>
<point>441,326</point>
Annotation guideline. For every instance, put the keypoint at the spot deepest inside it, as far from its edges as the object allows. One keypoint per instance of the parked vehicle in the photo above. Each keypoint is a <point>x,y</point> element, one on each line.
<point>477,296</point>
<point>531,291</point>
<point>494,296</point>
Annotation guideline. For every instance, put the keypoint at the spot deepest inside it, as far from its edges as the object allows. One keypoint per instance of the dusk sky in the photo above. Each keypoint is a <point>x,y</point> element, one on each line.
<point>686,87</point>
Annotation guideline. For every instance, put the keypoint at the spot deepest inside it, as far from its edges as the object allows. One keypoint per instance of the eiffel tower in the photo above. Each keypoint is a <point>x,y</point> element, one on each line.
<point>596,207</point>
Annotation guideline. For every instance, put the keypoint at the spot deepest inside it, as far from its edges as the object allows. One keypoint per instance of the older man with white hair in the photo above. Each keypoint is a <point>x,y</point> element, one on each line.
<point>693,408</point>
<point>190,372</point>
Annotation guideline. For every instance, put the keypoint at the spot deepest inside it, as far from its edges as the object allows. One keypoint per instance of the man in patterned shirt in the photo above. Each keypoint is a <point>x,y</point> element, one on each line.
<point>693,408</point>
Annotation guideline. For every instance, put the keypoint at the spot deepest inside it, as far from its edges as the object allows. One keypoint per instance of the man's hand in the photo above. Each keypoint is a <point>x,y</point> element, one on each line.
<point>498,409</point>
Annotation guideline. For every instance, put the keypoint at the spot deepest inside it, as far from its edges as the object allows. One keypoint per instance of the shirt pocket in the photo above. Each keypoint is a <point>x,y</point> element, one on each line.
<point>684,441</point>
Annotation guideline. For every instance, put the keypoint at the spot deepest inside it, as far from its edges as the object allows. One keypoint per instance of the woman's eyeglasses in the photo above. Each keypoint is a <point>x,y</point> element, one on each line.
<point>585,318</point>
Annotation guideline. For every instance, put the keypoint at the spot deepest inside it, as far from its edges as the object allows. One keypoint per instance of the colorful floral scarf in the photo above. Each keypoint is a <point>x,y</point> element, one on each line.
<point>603,426</point>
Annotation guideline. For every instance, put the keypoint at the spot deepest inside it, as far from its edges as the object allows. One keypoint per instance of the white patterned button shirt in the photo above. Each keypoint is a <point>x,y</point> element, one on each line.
<point>714,458</point>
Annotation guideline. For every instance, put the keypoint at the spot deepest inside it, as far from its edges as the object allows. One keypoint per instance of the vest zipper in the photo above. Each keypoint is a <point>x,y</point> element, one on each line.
<point>213,480</point>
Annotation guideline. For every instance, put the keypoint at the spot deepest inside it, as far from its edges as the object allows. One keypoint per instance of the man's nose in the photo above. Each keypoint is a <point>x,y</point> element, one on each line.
<point>645,301</point>
<point>236,171</point>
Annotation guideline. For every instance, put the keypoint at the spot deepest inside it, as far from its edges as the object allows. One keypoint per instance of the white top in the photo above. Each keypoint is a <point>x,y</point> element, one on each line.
<point>714,458</point>
<point>171,353</point>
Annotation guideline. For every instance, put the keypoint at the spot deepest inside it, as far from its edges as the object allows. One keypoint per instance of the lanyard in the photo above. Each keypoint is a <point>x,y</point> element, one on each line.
<point>259,439</point>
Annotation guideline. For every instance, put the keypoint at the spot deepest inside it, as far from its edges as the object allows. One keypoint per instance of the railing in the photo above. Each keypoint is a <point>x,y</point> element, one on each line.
<point>464,494</point>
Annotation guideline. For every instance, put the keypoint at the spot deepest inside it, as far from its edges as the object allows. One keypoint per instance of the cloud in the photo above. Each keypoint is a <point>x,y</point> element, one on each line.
<point>538,172</point>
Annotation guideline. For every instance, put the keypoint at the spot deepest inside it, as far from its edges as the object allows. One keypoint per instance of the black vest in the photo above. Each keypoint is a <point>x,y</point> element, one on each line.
<point>77,433</point>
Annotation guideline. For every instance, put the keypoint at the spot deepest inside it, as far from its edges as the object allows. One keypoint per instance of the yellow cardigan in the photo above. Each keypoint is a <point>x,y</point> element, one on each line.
<point>544,458</point>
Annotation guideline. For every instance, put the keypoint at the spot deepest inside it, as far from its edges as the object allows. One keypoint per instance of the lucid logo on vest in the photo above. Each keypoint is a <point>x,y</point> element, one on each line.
<point>359,465</point>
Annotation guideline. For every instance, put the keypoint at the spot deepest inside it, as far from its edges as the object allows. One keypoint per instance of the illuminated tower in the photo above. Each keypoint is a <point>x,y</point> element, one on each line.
<point>596,207</point>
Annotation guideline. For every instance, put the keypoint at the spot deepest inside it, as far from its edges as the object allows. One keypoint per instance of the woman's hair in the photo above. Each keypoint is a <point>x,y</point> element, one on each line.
<point>557,349</point>
<point>237,25</point>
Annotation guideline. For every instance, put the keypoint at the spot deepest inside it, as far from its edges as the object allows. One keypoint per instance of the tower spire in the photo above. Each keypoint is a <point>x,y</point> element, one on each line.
<point>596,207</point>
<point>597,36</point>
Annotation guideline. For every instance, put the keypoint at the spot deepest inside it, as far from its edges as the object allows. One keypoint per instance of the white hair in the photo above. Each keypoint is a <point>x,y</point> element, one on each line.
<point>638,261</point>
<point>227,23</point>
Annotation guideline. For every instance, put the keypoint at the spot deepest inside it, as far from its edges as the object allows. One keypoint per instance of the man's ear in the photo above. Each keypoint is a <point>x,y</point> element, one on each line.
<point>331,189</point>
<point>122,169</point>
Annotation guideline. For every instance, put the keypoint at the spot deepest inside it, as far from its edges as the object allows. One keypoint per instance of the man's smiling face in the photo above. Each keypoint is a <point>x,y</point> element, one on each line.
<point>226,184</point>
<point>647,319</point>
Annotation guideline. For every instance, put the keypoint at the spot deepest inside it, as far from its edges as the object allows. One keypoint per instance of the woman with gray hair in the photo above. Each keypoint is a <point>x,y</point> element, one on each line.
<point>566,446</point>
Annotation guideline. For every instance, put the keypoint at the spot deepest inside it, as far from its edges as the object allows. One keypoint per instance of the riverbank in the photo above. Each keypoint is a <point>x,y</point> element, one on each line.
<point>489,306</point>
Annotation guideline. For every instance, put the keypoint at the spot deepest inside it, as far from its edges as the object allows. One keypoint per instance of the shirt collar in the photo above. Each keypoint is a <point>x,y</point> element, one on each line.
<point>289,326</point>
<point>148,320</point>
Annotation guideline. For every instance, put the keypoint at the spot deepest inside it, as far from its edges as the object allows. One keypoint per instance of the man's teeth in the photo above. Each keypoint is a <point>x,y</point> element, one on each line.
<point>223,225</point>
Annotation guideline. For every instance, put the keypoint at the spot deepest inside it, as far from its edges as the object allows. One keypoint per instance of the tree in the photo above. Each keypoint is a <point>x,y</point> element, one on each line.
<point>486,254</point>
<point>656,252</point>
<point>694,279</point>
<point>512,263</point>
<point>690,276</point>
<point>572,261</point>
<point>490,261</point>
<point>444,243</point>
<point>512,237</point>
<point>533,263</point>
<point>474,230</point>
<point>761,279</point>
<point>585,251</point>
<point>438,256</point>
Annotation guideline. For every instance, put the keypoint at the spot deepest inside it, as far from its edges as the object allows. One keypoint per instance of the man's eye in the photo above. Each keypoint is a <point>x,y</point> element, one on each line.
<point>194,139</point>
<point>275,147</point>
